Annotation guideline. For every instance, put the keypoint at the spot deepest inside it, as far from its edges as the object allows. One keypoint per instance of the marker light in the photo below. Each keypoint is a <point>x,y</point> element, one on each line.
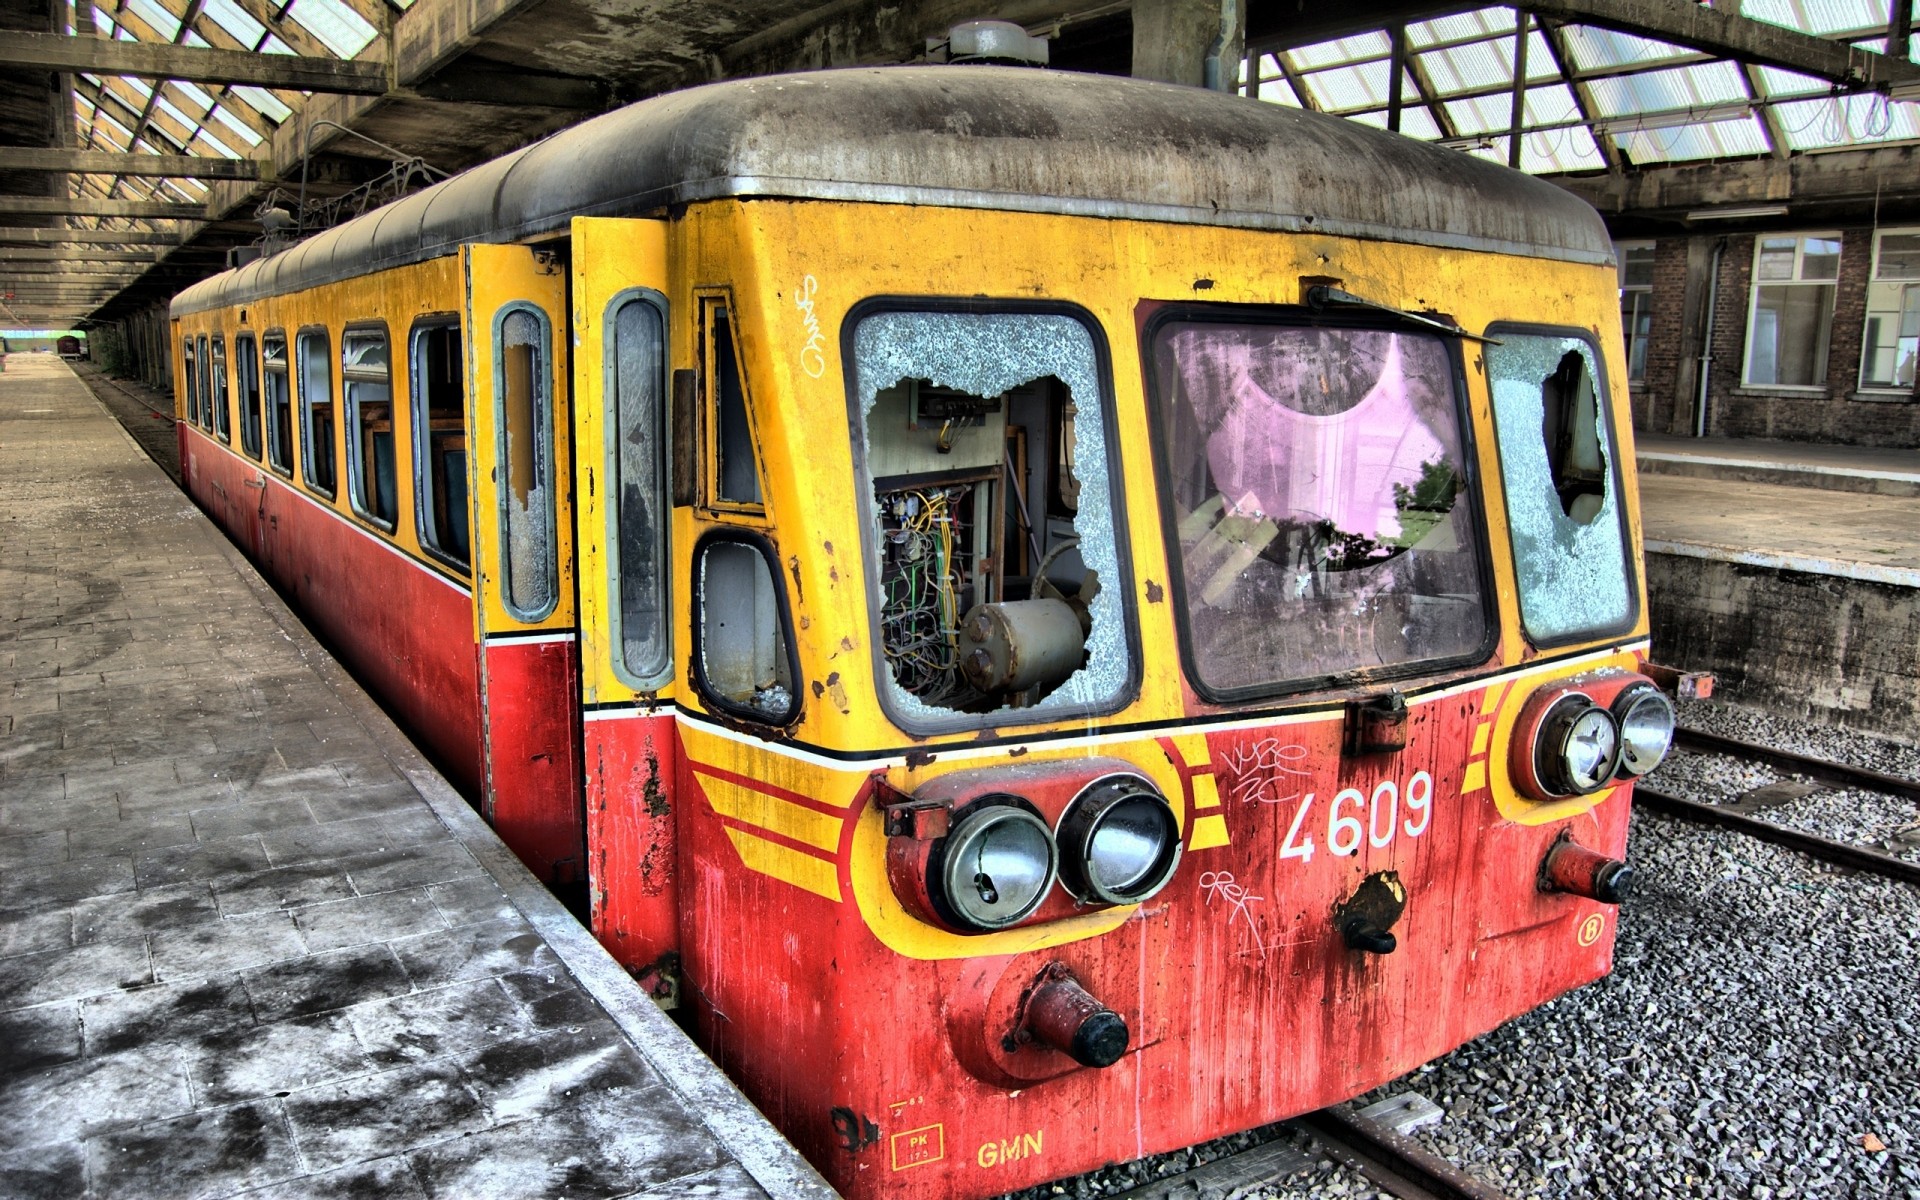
<point>1119,841</point>
<point>996,865</point>
<point>1647,721</point>
<point>1578,746</point>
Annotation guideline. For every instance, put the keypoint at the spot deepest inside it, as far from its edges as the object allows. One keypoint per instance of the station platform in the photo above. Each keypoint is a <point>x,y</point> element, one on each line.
<point>250,942</point>
<point>1791,572</point>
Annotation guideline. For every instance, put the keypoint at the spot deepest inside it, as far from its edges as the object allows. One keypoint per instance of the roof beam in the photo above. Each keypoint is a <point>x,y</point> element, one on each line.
<point>106,162</point>
<point>148,60</point>
<point>91,254</point>
<point>1741,38</point>
<point>53,206</point>
<point>1833,177</point>
<point>60,236</point>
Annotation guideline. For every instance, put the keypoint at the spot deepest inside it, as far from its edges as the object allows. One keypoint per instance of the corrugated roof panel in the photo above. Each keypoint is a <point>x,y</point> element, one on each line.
<point>338,27</point>
<point>1821,17</point>
<point>1550,150</point>
<point>1694,86</point>
<point>1775,82</point>
<point>1484,114</point>
<point>1349,89</point>
<point>1688,143</point>
<point>1469,68</point>
<point>163,22</point>
<point>1553,104</point>
<point>228,16</point>
<point>235,126</point>
<point>1340,50</point>
<point>1456,28</point>
<point>202,102</point>
<point>1828,122</point>
<point>264,102</point>
<point>194,39</point>
<point>1276,90</point>
<point>1592,49</point>
<point>1415,122</point>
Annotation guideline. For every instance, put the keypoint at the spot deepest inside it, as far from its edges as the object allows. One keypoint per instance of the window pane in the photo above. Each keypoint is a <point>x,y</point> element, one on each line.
<point>316,405</point>
<point>1636,324</point>
<point>1776,258</point>
<point>1893,335</point>
<point>743,648</point>
<point>205,391</point>
<point>937,394</point>
<point>1787,345</point>
<point>369,394</point>
<point>191,381</point>
<point>440,442</point>
<point>1565,519</point>
<point>640,454</point>
<point>246,370</point>
<point>222,418</point>
<point>1315,475</point>
<point>1636,266</point>
<point>278,417</point>
<point>1899,256</point>
<point>523,375</point>
<point>739,480</point>
<point>1820,259</point>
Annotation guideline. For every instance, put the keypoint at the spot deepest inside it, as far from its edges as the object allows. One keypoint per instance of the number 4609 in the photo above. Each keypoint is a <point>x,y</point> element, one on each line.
<point>1354,817</point>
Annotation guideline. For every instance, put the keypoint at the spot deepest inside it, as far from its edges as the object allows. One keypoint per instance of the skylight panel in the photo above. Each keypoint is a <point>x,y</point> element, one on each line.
<point>194,39</point>
<point>1415,122</point>
<point>1276,90</point>
<point>273,45</point>
<point>201,100</point>
<point>1469,68</point>
<point>204,140</point>
<point>1701,85</point>
<point>1775,82</point>
<point>166,106</point>
<point>1594,49</point>
<point>101,21</point>
<point>1553,104</point>
<point>1832,121</point>
<point>1482,114</point>
<point>338,27</point>
<point>163,22</point>
<point>1340,51</point>
<point>1687,143</point>
<point>1822,18</point>
<point>264,102</point>
<point>1348,89</point>
<point>137,84</point>
<point>229,16</point>
<point>238,127</point>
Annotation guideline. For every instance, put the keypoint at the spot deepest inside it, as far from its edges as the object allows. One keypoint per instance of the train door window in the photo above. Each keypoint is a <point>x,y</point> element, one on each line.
<point>1317,507</point>
<point>523,383</point>
<point>744,654</point>
<point>964,641</point>
<point>366,382</point>
<point>316,409</point>
<point>205,391</point>
<point>736,477</point>
<point>1562,485</point>
<point>279,414</point>
<point>190,379</point>
<point>636,385</point>
<point>222,410</point>
<point>440,442</point>
<point>246,378</point>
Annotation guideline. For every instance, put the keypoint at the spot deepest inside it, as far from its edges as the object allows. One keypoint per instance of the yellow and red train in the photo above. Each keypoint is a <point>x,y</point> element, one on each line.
<point>1055,616</point>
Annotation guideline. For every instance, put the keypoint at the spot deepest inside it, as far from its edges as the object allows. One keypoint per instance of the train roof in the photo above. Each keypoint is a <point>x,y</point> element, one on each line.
<point>1007,138</point>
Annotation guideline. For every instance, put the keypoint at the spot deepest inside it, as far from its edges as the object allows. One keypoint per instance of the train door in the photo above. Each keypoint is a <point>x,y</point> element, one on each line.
<point>522,540</point>
<point>620,431</point>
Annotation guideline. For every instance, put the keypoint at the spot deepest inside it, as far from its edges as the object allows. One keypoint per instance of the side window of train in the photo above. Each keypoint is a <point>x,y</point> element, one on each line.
<point>222,411</point>
<point>204,394</point>
<point>523,389</point>
<point>743,650</point>
<point>279,404</point>
<point>315,351</point>
<point>367,383</point>
<point>440,440</point>
<point>995,564</point>
<point>1562,484</point>
<point>636,388</point>
<point>734,476</point>
<point>246,377</point>
<point>190,379</point>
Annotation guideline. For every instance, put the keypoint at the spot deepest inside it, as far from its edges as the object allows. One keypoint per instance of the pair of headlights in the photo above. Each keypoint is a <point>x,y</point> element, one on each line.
<point>1117,843</point>
<point>1581,747</point>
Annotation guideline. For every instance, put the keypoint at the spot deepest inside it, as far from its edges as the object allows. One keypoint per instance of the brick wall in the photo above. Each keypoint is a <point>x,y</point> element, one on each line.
<point>1832,415</point>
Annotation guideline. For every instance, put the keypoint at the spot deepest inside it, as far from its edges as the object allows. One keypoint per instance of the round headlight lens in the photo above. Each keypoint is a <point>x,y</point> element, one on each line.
<point>1647,724</point>
<point>1119,842</point>
<point>1579,746</point>
<point>997,864</point>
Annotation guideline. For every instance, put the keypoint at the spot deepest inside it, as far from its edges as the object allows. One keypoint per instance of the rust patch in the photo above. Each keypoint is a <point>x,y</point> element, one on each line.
<point>846,643</point>
<point>651,793</point>
<point>1017,752</point>
<point>819,689</point>
<point>838,692</point>
<point>855,1131</point>
<point>793,568</point>
<point>918,758</point>
<point>1155,593</point>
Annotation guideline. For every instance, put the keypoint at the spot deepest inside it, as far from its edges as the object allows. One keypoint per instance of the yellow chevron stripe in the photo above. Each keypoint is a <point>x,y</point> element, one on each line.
<point>783,817</point>
<point>1481,734</point>
<point>1206,791</point>
<point>1493,697</point>
<point>1209,830</point>
<point>1476,777</point>
<point>786,864</point>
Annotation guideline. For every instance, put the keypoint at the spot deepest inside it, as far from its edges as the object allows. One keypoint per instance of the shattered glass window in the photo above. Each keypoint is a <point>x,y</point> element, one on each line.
<point>744,660</point>
<point>365,380</point>
<point>1321,520</point>
<point>523,381</point>
<point>316,408</point>
<point>1563,505</point>
<point>995,577</point>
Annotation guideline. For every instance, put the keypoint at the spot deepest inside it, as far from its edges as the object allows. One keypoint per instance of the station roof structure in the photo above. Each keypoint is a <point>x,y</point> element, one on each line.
<point>140,140</point>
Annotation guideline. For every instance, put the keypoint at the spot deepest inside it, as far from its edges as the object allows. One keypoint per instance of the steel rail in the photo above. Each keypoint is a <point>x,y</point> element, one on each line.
<point>1700,741</point>
<point>1842,854</point>
<point>1393,1161</point>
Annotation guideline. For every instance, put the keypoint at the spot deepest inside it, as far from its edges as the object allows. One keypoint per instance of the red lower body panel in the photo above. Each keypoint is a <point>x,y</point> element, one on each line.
<point>532,792</point>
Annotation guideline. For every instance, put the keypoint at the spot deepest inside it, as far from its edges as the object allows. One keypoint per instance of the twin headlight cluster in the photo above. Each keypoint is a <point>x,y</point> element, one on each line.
<point>1580,746</point>
<point>991,860</point>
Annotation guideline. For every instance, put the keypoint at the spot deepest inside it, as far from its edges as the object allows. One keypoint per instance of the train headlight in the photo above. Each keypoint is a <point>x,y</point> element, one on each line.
<point>1577,748</point>
<point>1119,842</point>
<point>997,864</point>
<point>1647,721</point>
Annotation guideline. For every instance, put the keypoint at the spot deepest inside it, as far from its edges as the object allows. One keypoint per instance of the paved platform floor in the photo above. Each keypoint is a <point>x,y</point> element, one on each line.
<point>249,941</point>
<point>1796,464</point>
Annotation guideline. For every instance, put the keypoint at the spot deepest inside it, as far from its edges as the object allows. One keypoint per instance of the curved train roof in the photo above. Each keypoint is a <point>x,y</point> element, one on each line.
<point>967,136</point>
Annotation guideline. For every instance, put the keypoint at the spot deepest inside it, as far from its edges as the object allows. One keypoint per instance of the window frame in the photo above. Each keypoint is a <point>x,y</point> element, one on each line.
<point>267,421</point>
<point>1755,283</point>
<point>861,481</point>
<point>1474,493</point>
<point>296,367</point>
<point>1642,305</point>
<point>611,434</point>
<point>707,300</point>
<point>348,411</point>
<point>250,355</point>
<point>1629,540</point>
<point>205,386</point>
<point>743,535</point>
<point>1868,313</point>
<point>543,426</point>
<point>190,368</point>
<point>422,427</point>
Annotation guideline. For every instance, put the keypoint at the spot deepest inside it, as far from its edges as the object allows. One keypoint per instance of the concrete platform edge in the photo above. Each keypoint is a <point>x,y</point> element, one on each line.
<point>733,1119</point>
<point>1864,572</point>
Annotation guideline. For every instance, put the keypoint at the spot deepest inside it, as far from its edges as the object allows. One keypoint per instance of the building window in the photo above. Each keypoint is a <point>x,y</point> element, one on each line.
<point>1893,312</point>
<point>440,441</point>
<point>278,409</point>
<point>316,409</point>
<point>368,388</point>
<point>1792,314</point>
<point>1636,303</point>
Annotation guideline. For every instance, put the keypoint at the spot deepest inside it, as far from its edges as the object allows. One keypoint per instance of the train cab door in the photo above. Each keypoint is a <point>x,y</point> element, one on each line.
<point>522,539</point>
<point>621,338</point>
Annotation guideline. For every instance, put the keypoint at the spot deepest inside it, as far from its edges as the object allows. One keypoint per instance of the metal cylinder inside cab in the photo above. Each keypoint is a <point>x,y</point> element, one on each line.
<point>1018,644</point>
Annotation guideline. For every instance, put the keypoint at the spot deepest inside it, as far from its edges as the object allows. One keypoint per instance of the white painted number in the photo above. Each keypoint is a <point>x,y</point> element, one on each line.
<point>1294,848</point>
<point>1344,833</point>
<point>1419,800</point>
<point>1390,806</point>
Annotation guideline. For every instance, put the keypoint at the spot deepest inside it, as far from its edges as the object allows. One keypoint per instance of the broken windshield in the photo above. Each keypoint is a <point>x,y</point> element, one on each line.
<point>1321,522</point>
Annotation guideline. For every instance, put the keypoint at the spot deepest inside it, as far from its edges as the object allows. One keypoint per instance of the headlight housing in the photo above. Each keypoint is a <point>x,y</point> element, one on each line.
<point>1647,722</point>
<point>1577,747</point>
<point>1119,842</point>
<point>995,866</point>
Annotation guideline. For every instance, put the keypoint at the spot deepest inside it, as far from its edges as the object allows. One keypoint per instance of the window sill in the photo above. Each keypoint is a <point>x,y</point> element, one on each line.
<point>1768,390</point>
<point>1866,396</point>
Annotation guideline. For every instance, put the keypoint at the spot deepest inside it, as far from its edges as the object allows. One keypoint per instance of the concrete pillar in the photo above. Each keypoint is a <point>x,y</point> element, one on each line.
<point>1171,39</point>
<point>1694,319</point>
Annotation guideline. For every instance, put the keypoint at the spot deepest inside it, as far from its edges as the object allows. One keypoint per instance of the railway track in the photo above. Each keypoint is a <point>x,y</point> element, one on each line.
<point>1843,854</point>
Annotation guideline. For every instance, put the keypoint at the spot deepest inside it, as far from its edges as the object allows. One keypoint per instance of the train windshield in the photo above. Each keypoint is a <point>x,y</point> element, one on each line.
<point>1319,512</point>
